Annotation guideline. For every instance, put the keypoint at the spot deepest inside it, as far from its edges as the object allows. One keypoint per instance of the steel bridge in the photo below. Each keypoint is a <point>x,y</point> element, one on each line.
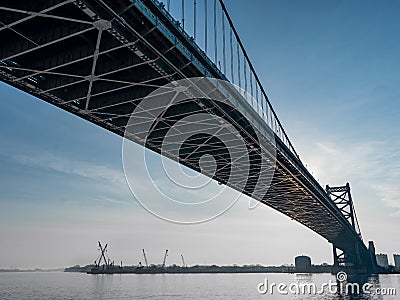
<point>99,59</point>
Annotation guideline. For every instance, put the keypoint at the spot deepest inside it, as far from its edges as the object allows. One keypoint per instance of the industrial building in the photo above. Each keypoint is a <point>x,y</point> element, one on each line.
<point>302,264</point>
<point>396,258</point>
<point>382,260</point>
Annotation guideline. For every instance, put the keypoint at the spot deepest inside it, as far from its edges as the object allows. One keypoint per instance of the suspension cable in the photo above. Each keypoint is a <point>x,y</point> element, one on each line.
<point>256,76</point>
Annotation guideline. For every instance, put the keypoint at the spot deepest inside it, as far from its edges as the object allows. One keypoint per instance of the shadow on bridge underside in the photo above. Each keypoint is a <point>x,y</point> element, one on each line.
<point>107,62</point>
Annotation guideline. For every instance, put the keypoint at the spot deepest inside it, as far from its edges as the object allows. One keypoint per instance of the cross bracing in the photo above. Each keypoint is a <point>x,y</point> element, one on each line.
<point>99,59</point>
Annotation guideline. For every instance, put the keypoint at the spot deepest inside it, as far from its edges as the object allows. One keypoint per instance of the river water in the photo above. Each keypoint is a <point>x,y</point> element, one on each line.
<point>59,285</point>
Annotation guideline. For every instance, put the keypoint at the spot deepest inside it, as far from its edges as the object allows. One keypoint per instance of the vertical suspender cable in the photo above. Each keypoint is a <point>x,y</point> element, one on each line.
<point>215,33</point>
<point>230,40</point>
<point>270,117</point>
<point>183,14</point>
<point>205,25</point>
<point>223,43</point>
<point>194,19</point>
<point>238,57</point>
<point>257,97</point>
<point>251,87</point>
<point>245,75</point>
<point>289,144</point>
<point>168,4</point>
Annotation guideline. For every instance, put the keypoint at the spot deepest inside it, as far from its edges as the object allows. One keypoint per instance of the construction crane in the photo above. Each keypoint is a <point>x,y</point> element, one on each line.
<point>145,258</point>
<point>183,261</point>
<point>165,258</point>
<point>102,256</point>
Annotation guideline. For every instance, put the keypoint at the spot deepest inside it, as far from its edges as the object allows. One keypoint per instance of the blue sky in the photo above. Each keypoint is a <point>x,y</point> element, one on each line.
<point>331,70</point>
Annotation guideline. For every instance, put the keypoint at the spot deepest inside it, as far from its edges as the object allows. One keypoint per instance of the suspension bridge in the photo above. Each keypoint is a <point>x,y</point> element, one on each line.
<point>99,59</point>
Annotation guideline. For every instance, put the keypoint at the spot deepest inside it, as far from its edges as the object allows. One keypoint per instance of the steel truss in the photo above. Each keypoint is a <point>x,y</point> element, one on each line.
<point>99,59</point>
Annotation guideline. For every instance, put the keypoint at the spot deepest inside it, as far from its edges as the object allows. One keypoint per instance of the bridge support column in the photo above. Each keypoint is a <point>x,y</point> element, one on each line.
<point>357,261</point>
<point>335,257</point>
<point>335,267</point>
<point>352,264</point>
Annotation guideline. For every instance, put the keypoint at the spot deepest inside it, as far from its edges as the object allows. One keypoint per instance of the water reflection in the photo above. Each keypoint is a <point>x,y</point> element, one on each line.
<point>102,283</point>
<point>360,287</point>
<point>53,285</point>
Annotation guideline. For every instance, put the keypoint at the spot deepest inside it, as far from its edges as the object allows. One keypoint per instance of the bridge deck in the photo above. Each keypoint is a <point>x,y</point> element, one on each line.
<point>98,59</point>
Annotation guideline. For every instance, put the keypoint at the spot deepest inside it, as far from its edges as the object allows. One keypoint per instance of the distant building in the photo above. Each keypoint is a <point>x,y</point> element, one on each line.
<point>382,260</point>
<point>396,258</point>
<point>302,263</point>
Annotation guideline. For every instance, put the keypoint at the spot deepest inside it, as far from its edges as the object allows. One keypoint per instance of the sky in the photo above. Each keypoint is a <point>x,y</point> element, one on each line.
<point>331,71</point>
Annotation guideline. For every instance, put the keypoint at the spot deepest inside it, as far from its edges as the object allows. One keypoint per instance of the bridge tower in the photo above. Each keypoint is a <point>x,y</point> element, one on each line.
<point>355,260</point>
<point>341,196</point>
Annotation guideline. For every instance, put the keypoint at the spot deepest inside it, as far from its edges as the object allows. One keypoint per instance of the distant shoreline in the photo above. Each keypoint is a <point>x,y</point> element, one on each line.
<point>197,269</point>
<point>31,270</point>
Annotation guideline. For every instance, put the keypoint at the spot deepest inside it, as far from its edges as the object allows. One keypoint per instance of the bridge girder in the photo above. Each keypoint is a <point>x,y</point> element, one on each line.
<point>99,62</point>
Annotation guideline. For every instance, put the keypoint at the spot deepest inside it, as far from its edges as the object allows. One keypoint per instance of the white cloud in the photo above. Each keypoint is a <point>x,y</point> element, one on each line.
<point>108,183</point>
<point>374,163</point>
<point>100,200</point>
<point>390,195</point>
<point>80,168</point>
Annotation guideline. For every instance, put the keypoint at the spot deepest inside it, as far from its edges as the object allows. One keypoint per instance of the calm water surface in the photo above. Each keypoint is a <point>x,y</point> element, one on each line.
<point>58,285</point>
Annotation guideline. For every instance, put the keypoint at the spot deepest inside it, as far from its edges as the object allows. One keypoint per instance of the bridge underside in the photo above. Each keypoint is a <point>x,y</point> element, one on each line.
<point>99,59</point>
